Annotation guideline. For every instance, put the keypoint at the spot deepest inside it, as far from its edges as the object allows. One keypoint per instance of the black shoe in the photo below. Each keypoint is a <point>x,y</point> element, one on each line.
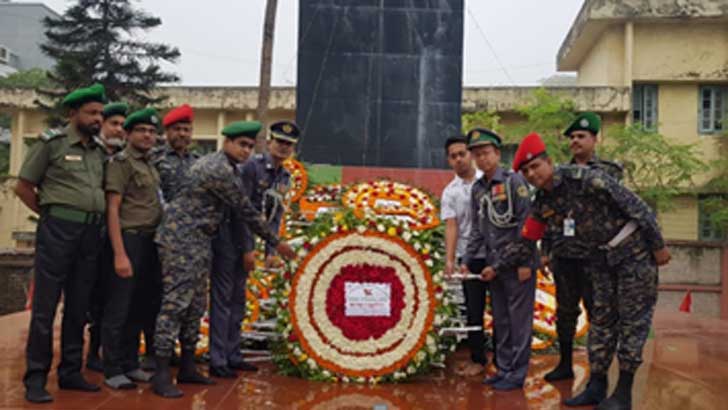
<point>222,372</point>
<point>561,372</point>
<point>244,366</point>
<point>94,363</point>
<point>595,392</point>
<point>78,383</point>
<point>615,403</point>
<point>188,373</point>
<point>162,381</point>
<point>621,399</point>
<point>37,394</point>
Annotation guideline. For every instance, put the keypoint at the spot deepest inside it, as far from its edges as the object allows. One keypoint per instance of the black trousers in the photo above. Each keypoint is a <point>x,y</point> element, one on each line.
<point>98,295</point>
<point>573,284</point>
<point>66,259</point>
<point>131,304</point>
<point>475,294</point>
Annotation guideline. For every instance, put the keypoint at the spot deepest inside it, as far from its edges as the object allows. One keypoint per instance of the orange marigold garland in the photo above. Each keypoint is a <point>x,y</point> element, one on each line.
<point>394,199</point>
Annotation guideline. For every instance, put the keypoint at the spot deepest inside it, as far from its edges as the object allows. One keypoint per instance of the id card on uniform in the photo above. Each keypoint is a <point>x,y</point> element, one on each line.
<point>569,227</point>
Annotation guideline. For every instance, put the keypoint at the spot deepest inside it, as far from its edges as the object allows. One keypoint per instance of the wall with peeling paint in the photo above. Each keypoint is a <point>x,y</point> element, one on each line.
<point>681,51</point>
<point>604,65</point>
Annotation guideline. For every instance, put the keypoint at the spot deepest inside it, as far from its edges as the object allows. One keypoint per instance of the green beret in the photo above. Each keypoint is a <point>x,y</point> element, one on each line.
<point>145,116</point>
<point>77,98</point>
<point>482,136</point>
<point>242,129</point>
<point>587,121</point>
<point>117,108</point>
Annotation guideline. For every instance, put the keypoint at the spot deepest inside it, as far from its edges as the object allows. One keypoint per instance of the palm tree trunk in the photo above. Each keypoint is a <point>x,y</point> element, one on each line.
<point>266,63</point>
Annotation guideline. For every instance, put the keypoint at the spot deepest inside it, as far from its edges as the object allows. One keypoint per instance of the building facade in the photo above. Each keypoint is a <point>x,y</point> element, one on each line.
<point>21,33</point>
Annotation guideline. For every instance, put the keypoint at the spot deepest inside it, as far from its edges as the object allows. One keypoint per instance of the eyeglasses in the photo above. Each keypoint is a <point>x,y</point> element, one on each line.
<point>145,130</point>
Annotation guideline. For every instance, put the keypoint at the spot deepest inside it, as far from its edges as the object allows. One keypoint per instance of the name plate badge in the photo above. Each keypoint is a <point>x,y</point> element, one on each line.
<point>367,299</point>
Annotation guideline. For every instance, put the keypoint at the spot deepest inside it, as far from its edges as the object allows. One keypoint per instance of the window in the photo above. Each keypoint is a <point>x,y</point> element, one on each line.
<point>644,106</point>
<point>203,147</point>
<point>707,206</point>
<point>713,100</point>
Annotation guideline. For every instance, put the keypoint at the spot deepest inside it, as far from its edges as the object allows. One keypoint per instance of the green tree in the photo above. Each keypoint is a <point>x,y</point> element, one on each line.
<point>33,78</point>
<point>717,205</point>
<point>101,41</point>
<point>655,167</point>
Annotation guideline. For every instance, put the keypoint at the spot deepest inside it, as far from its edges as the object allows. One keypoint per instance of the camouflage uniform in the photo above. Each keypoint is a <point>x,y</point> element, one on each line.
<point>624,278</point>
<point>172,167</point>
<point>499,208</point>
<point>568,257</point>
<point>184,238</point>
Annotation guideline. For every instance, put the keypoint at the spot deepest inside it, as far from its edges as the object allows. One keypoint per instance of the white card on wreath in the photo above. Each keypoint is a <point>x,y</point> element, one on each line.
<point>367,299</point>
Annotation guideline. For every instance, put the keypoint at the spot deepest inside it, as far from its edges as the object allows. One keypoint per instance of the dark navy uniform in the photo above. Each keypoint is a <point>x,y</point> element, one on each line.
<point>500,206</point>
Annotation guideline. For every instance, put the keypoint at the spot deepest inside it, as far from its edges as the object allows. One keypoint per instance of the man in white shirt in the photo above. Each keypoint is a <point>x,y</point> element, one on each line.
<point>456,212</point>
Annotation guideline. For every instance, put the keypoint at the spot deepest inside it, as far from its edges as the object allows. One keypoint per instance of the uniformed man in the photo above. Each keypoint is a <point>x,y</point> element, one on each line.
<point>62,180</point>
<point>266,181</point>
<point>112,137</point>
<point>133,212</point>
<point>174,159</point>
<point>184,240</point>
<point>566,254</point>
<point>456,212</point>
<point>500,204</point>
<point>625,247</point>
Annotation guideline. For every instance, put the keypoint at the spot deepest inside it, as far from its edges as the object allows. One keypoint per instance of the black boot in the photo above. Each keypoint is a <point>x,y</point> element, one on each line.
<point>621,399</point>
<point>188,370</point>
<point>77,382</point>
<point>595,392</point>
<point>37,394</point>
<point>162,380</point>
<point>563,371</point>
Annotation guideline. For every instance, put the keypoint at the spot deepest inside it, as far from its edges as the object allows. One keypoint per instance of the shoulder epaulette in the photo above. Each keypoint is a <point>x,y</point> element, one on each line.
<point>50,134</point>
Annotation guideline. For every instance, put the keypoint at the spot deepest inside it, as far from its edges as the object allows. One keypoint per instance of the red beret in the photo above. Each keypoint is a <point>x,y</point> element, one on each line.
<point>181,113</point>
<point>533,229</point>
<point>531,147</point>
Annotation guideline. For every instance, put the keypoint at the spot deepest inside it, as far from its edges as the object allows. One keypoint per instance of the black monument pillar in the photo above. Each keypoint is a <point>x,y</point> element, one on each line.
<point>379,81</point>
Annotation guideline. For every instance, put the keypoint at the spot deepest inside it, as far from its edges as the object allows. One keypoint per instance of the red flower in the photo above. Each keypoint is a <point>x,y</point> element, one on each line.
<point>307,246</point>
<point>292,337</point>
<point>364,327</point>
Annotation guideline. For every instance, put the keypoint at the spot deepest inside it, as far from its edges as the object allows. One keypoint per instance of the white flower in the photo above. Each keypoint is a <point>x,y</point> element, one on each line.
<point>301,252</point>
<point>429,263</point>
<point>399,375</point>
<point>314,240</point>
<point>438,320</point>
<point>420,356</point>
<point>326,374</point>
<point>432,349</point>
<point>417,246</point>
<point>430,340</point>
<point>411,369</point>
<point>407,236</point>
<point>380,228</point>
<point>437,255</point>
<point>296,351</point>
<point>361,228</point>
<point>311,363</point>
<point>452,347</point>
<point>345,379</point>
<point>361,380</point>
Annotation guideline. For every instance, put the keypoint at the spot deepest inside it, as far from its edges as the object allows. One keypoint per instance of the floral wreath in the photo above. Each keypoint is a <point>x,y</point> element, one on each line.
<point>394,199</point>
<point>299,180</point>
<point>326,338</point>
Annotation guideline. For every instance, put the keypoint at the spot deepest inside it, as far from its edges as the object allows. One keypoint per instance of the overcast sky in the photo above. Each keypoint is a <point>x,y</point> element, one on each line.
<point>220,39</point>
